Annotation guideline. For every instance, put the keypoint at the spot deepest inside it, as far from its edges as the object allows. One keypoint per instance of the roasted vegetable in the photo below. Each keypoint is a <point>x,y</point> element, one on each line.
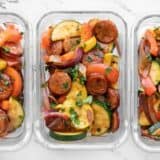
<point>68,136</point>
<point>148,86</point>
<point>89,44</point>
<point>155,72</point>
<point>15,113</point>
<point>102,119</point>
<point>108,58</point>
<point>68,28</point>
<point>155,129</point>
<point>149,35</point>
<point>3,64</point>
<point>67,60</point>
<point>143,119</point>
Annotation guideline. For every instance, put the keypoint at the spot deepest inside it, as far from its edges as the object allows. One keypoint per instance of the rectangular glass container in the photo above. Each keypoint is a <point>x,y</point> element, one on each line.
<point>18,138</point>
<point>137,32</point>
<point>110,141</point>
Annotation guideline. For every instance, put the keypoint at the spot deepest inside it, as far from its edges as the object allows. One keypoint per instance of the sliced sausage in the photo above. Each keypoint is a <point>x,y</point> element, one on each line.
<point>92,57</point>
<point>58,122</point>
<point>5,86</point>
<point>115,121</point>
<point>70,43</point>
<point>56,48</point>
<point>59,83</point>
<point>14,49</point>
<point>96,84</point>
<point>4,122</point>
<point>105,31</point>
<point>113,98</point>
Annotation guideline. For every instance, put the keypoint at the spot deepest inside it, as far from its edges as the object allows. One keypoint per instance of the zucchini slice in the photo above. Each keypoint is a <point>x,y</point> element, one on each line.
<point>68,136</point>
<point>155,129</point>
<point>102,119</point>
<point>15,113</point>
<point>155,72</point>
<point>64,29</point>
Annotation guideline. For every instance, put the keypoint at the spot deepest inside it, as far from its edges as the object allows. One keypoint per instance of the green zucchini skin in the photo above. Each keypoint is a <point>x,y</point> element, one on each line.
<point>155,129</point>
<point>67,137</point>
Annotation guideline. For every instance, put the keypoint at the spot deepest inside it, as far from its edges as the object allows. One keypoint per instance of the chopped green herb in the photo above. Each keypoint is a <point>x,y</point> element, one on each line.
<point>108,70</point>
<point>149,57</point>
<point>98,55</point>
<point>98,46</point>
<point>6,49</point>
<point>73,71</point>
<point>21,117</point>
<point>79,102</point>
<point>6,83</point>
<point>88,100</point>
<point>82,79</point>
<point>44,85</point>
<point>78,41</point>
<point>52,105</point>
<point>74,116</point>
<point>79,94</point>
<point>89,59</point>
<point>22,33</point>
<point>47,67</point>
<point>140,90</point>
<point>65,85</point>
<point>158,60</point>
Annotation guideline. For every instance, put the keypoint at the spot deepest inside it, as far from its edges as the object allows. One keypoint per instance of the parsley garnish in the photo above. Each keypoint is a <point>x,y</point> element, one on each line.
<point>98,46</point>
<point>74,116</point>
<point>52,105</point>
<point>149,57</point>
<point>65,85</point>
<point>6,49</point>
<point>73,71</point>
<point>88,100</point>
<point>82,79</point>
<point>108,70</point>
<point>89,59</point>
<point>79,102</point>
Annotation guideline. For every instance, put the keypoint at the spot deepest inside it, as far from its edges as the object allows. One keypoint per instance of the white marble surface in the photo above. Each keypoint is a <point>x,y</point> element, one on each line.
<point>32,10</point>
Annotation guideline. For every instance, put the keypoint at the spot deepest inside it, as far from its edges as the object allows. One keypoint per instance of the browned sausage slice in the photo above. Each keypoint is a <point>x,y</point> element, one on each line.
<point>113,98</point>
<point>5,86</point>
<point>59,83</point>
<point>115,121</point>
<point>56,48</point>
<point>105,31</point>
<point>96,84</point>
<point>4,122</point>
<point>92,57</point>
<point>14,49</point>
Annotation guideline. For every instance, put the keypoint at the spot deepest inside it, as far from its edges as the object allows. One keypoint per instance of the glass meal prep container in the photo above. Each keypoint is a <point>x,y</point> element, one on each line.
<point>17,138</point>
<point>109,141</point>
<point>140,28</point>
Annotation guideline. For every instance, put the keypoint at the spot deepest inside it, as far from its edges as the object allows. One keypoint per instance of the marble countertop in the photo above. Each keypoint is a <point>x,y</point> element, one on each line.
<point>33,10</point>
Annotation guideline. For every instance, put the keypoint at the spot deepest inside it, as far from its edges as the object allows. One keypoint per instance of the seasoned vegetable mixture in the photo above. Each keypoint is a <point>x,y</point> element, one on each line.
<point>11,84</point>
<point>80,91</point>
<point>149,75</point>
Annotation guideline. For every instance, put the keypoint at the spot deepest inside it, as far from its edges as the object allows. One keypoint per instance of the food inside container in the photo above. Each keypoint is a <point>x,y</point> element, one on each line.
<point>81,92</point>
<point>149,91</point>
<point>11,78</point>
